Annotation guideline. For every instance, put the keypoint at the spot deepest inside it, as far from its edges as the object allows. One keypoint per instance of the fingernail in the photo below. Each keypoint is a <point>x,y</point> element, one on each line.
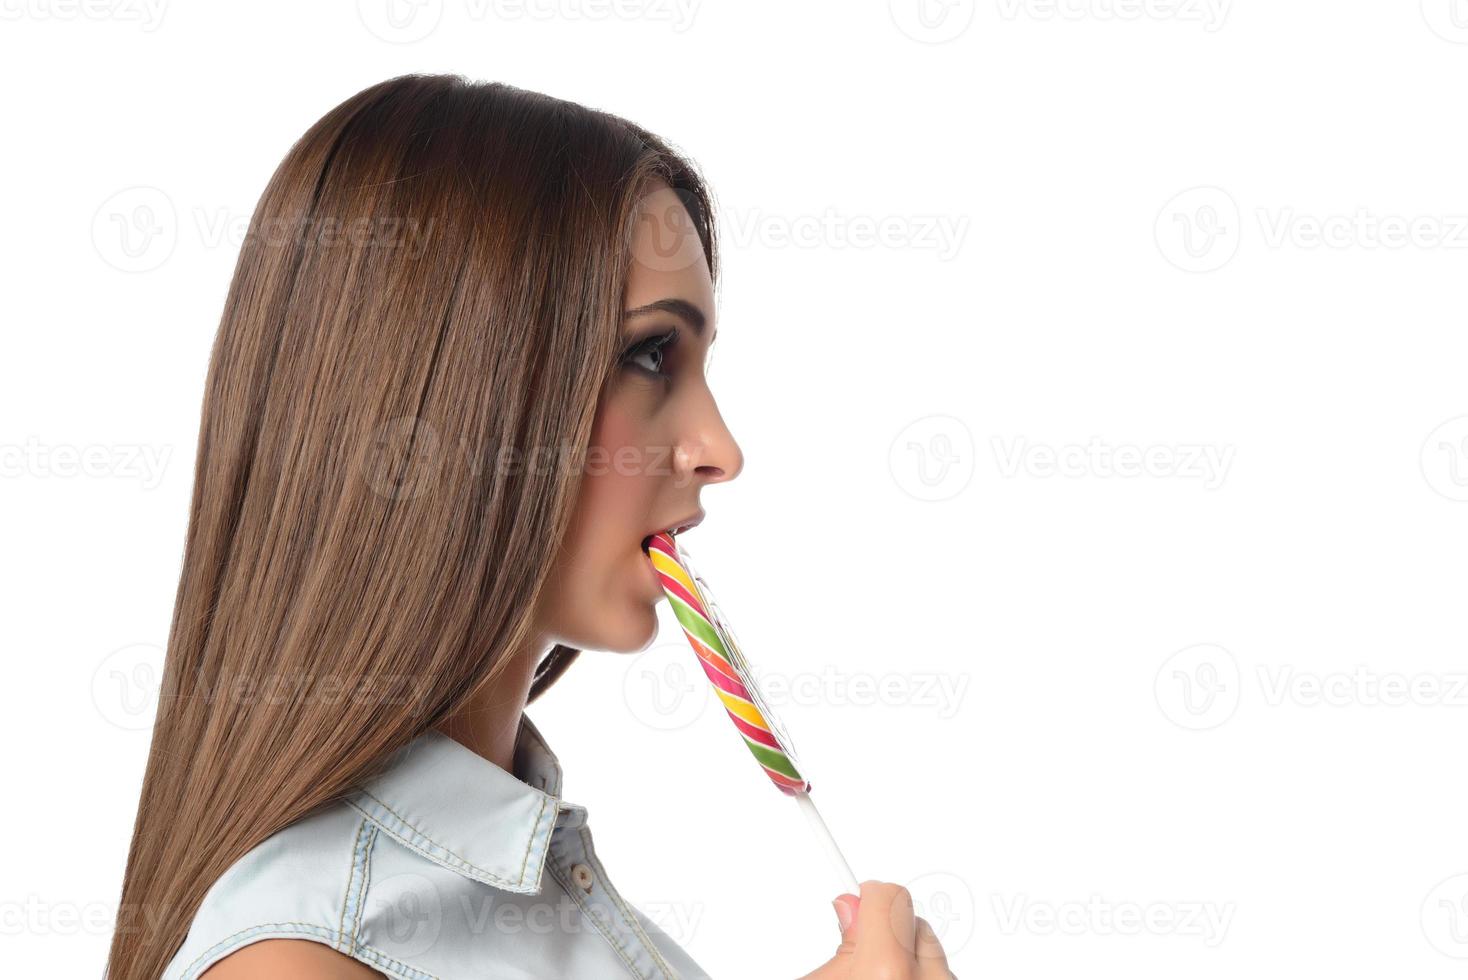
<point>843,914</point>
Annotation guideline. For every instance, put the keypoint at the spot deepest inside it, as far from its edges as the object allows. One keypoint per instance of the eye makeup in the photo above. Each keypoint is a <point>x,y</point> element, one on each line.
<point>654,347</point>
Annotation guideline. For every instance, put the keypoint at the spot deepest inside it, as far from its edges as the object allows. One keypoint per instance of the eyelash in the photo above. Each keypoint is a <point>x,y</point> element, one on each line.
<point>658,344</point>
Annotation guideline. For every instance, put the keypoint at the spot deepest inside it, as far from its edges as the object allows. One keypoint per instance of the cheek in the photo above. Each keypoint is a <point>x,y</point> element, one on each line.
<point>618,494</point>
<point>620,473</point>
<point>603,598</point>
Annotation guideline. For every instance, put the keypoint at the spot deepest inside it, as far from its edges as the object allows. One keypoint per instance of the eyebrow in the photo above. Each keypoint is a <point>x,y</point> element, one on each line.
<point>680,308</point>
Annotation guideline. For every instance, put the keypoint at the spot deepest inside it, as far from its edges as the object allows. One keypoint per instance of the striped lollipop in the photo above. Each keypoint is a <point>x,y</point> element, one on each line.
<point>713,641</point>
<point>709,634</point>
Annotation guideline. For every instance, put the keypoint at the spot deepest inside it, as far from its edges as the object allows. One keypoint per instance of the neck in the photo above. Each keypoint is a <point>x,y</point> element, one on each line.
<point>488,723</point>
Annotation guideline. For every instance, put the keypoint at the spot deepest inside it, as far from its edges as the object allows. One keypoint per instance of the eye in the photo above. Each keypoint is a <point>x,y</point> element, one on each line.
<point>649,354</point>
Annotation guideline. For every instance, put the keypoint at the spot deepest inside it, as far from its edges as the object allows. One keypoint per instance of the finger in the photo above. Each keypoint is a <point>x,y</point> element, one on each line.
<point>932,961</point>
<point>885,924</point>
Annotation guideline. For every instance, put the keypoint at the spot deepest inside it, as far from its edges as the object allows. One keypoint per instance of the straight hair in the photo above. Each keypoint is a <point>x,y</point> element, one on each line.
<point>428,301</point>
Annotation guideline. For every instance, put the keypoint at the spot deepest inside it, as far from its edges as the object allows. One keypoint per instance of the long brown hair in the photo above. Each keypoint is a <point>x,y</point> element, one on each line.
<point>421,322</point>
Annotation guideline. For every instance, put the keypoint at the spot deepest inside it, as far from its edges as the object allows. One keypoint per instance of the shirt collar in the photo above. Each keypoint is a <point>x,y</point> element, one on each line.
<point>463,812</point>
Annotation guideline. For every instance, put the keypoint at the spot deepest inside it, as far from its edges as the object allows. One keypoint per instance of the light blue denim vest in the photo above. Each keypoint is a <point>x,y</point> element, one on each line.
<point>445,866</point>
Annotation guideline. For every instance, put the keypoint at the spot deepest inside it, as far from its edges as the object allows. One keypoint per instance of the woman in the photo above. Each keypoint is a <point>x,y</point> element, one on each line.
<point>458,382</point>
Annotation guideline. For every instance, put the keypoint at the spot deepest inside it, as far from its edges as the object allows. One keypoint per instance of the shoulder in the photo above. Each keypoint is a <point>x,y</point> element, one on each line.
<point>289,959</point>
<point>288,907</point>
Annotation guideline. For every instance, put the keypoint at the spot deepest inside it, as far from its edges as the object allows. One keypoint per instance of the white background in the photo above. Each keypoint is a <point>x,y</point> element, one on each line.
<point>1204,719</point>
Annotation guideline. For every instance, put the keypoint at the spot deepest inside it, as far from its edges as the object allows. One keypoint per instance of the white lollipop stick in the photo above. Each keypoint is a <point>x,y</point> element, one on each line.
<point>828,844</point>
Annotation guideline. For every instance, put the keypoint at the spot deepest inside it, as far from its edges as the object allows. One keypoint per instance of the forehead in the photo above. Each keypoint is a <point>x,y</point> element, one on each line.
<point>667,256</point>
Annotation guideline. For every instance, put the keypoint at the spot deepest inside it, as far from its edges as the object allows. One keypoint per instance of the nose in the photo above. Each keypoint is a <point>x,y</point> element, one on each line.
<point>707,452</point>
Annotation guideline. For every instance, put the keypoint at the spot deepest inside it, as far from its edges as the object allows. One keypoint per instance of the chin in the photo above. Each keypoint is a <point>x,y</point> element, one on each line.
<point>631,631</point>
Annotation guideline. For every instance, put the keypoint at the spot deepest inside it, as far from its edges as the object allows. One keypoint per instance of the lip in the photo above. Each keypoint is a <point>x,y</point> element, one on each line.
<point>677,527</point>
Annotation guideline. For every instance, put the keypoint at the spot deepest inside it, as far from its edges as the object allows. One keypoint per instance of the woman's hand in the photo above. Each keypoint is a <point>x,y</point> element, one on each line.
<point>882,940</point>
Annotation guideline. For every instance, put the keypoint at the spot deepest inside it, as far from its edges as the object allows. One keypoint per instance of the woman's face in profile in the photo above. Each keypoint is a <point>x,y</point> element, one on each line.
<point>658,440</point>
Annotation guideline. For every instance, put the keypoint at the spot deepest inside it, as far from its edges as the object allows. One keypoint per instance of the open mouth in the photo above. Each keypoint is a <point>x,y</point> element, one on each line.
<point>673,531</point>
<point>647,541</point>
